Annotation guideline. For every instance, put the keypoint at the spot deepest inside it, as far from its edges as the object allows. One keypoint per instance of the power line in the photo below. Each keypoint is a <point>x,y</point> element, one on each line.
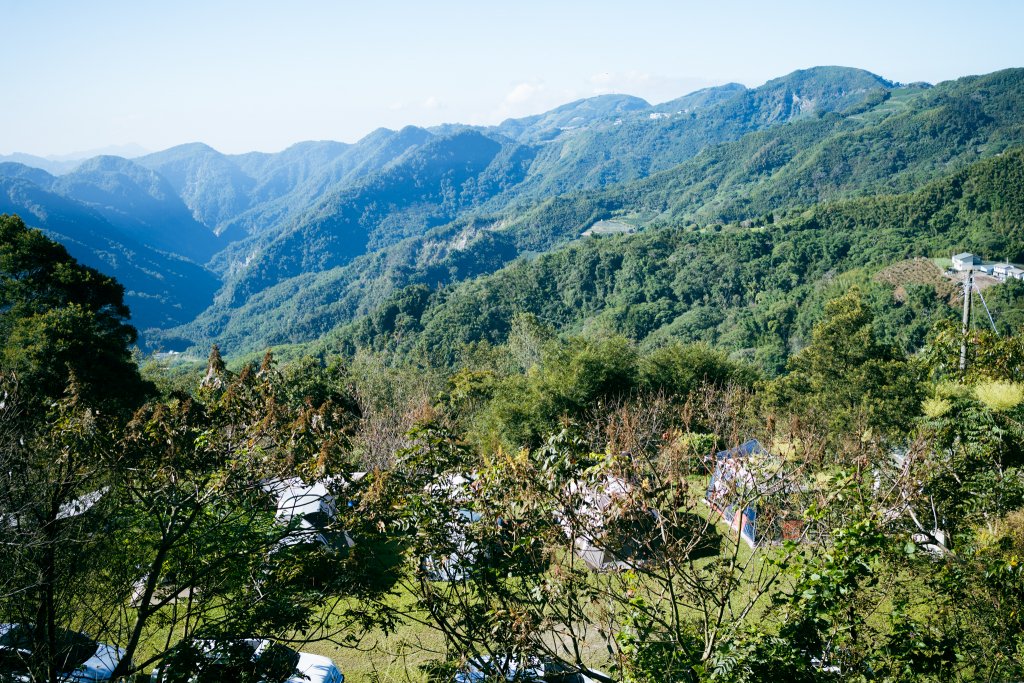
<point>983,303</point>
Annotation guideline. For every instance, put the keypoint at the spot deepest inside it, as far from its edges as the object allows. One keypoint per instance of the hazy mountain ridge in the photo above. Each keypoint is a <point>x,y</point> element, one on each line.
<point>371,154</point>
<point>162,290</point>
<point>51,166</point>
<point>572,116</point>
<point>209,183</point>
<point>141,204</point>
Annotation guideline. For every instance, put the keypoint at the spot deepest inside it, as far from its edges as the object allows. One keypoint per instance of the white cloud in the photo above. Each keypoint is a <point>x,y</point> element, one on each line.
<point>524,92</point>
<point>529,97</point>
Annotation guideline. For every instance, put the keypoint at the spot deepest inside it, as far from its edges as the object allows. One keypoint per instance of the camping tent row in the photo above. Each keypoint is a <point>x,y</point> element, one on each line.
<point>583,526</point>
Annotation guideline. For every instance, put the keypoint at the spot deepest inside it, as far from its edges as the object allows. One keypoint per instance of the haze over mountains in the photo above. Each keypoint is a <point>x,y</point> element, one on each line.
<point>257,249</point>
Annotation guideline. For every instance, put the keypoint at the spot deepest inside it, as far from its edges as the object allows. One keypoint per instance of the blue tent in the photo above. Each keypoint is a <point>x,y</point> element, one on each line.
<point>725,490</point>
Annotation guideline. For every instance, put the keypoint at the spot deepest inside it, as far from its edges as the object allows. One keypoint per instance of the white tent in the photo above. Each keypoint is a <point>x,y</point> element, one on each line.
<point>586,525</point>
<point>310,507</point>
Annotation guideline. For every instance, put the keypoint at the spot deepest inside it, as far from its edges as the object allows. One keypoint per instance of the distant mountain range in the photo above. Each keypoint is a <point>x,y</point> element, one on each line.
<point>257,249</point>
<point>58,164</point>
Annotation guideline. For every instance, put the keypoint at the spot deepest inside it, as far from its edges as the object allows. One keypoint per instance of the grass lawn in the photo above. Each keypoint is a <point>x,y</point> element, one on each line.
<point>386,657</point>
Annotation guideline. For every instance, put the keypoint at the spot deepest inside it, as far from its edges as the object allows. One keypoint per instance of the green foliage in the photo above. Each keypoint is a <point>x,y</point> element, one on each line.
<point>573,380</point>
<point>678,369</point>
<point>848,377</point>
<point>61,322</point>
<point>650,656</point>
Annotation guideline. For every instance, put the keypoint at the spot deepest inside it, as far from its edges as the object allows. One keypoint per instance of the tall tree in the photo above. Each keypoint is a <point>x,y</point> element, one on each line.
<point>849,379</point>
<point>67,378</point>
<point>60,319</point>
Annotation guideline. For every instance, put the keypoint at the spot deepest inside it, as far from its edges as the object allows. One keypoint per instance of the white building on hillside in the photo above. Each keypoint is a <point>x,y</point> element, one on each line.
<point>1007,271</point>
<point>966,261</point>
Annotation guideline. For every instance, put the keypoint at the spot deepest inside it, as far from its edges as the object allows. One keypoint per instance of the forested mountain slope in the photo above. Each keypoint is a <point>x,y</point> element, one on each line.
<point>213,187</point>
<point>591,143</point>
<point>428,188</point>
<point>162,290</point>
<point>289,182</point>
<point>894,144</point>
<point>753,289</point>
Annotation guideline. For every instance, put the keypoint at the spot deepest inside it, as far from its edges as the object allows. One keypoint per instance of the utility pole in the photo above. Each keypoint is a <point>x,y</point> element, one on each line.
<point>968,289</point>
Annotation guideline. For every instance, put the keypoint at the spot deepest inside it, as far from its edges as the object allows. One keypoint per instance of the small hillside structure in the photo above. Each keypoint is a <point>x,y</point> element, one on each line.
<point>1001,271</point>
<point>965,261</point>
<point>1007,271</point>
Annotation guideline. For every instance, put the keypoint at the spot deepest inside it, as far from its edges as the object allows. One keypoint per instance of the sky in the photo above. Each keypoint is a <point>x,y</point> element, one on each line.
<point>244,76</point>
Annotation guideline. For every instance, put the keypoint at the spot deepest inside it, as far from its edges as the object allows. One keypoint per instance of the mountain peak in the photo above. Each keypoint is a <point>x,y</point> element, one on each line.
<point>13,169</point>
<point>105,162</point>
<point>830,77</point>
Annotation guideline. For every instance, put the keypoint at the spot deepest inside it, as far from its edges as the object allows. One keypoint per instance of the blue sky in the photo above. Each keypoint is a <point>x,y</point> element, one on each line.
<point>262,75</point>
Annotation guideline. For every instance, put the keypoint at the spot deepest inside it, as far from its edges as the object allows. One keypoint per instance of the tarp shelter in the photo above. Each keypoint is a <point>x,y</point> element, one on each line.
<point>311,507</point>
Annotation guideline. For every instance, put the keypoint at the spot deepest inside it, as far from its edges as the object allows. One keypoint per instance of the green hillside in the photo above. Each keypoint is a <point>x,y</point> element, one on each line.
<point>754,289</point>
<point>891,141</point>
